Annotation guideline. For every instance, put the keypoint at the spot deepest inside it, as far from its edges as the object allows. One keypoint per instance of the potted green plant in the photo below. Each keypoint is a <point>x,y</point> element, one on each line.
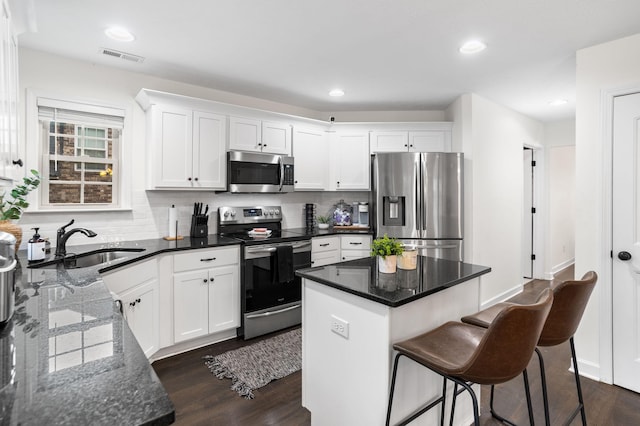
<point>386,250</point>
<point>323,222</point>
<point>13,203</point>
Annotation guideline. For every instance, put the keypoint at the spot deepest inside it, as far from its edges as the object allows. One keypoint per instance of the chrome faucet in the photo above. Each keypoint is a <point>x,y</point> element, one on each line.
<point>63,236</point>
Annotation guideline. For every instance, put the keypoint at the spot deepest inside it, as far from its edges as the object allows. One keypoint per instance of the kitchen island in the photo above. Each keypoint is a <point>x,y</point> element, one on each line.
<point>352,315</point>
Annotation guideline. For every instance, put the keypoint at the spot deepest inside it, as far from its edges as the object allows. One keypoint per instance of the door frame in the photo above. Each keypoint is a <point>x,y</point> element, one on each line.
<point>539,218</point>
<point>606,235</point>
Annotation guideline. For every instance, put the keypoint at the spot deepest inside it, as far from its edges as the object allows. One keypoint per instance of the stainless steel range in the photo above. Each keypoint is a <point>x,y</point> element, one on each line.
<point>271,293</point>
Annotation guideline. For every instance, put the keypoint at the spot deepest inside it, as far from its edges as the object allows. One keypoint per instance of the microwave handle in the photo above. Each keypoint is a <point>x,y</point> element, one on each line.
<point>281,164</point>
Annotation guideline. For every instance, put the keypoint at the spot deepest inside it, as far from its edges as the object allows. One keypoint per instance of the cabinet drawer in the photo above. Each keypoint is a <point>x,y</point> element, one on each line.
<point>325,258</point>
<point>209,258</point>
<point>355,242</point>
<point>320,244</point>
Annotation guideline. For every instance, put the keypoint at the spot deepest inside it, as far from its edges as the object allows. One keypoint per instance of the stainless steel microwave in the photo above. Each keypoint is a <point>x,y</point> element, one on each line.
<point>258,172</point>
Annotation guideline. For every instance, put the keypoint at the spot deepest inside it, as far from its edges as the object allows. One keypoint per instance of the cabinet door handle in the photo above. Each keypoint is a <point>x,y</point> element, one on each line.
<point>211,279</point>
<point>205,280</point>
<point>196,179</point>
<point>355,244</point>
<point>132,304</point>
<point>208,259</point>
<point>324,245</point>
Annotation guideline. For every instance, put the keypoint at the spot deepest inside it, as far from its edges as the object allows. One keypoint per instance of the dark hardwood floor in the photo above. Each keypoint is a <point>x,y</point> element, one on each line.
<point>202,399</point>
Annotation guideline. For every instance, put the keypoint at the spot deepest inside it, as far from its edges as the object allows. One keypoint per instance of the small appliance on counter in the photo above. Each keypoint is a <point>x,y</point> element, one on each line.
<point>7,276</point>
<point>36,247</point>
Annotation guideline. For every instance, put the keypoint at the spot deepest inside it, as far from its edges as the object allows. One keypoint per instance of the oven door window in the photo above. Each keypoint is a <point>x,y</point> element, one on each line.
<point>246,173</point>
<point>262,288</point>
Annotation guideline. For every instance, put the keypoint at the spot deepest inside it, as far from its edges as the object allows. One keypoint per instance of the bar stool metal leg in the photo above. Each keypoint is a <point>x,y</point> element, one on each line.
<point>527,391</point>
<point>543,381</point>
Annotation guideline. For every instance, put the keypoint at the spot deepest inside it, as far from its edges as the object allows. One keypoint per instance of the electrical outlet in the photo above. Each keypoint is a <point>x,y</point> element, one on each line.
<point>340,326</point>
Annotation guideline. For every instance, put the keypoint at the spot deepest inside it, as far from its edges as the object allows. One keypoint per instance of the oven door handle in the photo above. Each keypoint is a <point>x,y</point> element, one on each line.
<point>273,249</point>
<point>266,314</point>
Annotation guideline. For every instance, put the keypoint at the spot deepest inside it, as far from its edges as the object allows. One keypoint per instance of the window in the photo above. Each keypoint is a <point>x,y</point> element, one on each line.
<point>81,161</point>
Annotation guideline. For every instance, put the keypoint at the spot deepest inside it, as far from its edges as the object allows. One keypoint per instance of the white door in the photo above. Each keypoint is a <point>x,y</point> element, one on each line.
<point>626,241</point>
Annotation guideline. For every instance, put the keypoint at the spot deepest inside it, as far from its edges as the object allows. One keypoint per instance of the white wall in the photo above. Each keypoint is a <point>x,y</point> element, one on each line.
<point>493,141</point>
<point>559,141</point>
<point>609,66</point>
<point>149,215</point>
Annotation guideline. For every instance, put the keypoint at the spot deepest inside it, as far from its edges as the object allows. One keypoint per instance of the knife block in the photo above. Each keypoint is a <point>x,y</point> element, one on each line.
<point>199,226</point>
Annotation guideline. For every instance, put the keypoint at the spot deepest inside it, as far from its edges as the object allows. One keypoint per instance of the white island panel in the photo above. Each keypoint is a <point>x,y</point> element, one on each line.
<point>346,380</point>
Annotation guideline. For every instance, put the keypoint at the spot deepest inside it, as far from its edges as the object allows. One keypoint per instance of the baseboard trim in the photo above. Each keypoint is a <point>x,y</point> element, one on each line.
<point>558,268</point>
<point>588,369</point>
<point>502,296</point>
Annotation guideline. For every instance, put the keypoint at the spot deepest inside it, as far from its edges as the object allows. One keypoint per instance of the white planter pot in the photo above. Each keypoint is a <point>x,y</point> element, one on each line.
<point>387,265</point>
<point>323,226</point>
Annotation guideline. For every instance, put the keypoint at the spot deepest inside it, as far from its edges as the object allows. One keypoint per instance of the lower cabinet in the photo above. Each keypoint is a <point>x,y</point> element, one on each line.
<point>205,301</point>
<point>140,308</point>
<point>354,247</point>
<point>325,250</point>
<point>137,288</point>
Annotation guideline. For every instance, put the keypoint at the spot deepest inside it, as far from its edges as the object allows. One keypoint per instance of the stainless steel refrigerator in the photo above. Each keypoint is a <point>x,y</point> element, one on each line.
<point>418,198</point>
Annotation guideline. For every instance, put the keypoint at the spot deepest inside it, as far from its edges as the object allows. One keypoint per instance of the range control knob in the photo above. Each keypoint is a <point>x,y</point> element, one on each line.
<point>277,212</point>
<point>226,213</point>
<point>233,213</point>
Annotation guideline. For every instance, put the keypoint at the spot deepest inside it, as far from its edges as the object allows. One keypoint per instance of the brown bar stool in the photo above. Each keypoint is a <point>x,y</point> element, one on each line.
<point>569,302</point>
<point>467,354</point>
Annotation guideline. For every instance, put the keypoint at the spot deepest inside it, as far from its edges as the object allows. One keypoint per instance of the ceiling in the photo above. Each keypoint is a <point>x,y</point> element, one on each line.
<point>387,55</point>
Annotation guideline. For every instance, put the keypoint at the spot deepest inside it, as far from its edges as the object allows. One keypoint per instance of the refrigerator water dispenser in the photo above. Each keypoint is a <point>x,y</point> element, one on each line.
<point>393,213</point>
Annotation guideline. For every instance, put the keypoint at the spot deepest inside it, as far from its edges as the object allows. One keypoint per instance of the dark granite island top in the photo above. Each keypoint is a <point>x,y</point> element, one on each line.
<point>68,356</point>
<point>361,277</point>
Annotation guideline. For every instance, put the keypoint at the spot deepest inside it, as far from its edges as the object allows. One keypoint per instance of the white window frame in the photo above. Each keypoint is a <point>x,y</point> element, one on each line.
<point>37,154</point>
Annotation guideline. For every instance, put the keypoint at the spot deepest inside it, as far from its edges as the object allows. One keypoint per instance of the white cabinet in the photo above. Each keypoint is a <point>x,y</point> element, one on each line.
<point>253,135</point>
<point>206,300</point>
<point>8,98</point>
<point>350,161</point>
<point>435,139</point>
<point>325,250</point>
<point>136,287</point>
<point>311,152</point>
<point>354,247</point>
<point>187,145</point>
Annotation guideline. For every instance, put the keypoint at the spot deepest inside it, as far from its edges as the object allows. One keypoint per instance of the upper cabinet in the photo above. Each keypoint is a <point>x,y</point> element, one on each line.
<point>186,145</point>
<point>252,135</point>
<point>350,161</point>
<point>311,149</point>
<point>429,137</point>
<point>8,99</point>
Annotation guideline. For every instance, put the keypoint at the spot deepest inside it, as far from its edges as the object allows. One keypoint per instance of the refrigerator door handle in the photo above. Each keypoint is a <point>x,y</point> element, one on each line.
<point>418,199</point>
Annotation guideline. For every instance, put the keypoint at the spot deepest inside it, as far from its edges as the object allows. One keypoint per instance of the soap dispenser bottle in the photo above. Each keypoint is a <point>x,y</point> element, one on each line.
<point>35,247</point>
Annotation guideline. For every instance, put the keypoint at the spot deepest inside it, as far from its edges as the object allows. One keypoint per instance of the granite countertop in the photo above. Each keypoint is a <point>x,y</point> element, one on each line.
<point>361,278</point>
<point>68,356</point>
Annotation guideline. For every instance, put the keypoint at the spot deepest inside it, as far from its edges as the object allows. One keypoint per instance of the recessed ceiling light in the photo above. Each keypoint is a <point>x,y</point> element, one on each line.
<point>336,92</point>
<point>558,102</point>
<point>472,46</point>
<point>119,34</point>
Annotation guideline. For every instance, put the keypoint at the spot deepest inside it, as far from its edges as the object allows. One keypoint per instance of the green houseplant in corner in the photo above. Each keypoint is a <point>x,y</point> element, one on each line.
<point>13,203</point>
<point>386,249</point>
<point>323,222</point>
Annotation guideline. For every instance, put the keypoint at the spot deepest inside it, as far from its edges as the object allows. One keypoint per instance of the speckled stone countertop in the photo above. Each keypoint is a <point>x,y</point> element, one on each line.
<point>361,278</point>
<point>68,357</point>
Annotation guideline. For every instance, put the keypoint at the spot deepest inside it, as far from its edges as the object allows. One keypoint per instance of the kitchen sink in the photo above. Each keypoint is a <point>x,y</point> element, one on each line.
<point>84,260</point>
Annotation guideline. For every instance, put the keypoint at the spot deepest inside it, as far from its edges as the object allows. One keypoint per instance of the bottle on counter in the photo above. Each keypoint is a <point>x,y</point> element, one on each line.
<point>36,247</point>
